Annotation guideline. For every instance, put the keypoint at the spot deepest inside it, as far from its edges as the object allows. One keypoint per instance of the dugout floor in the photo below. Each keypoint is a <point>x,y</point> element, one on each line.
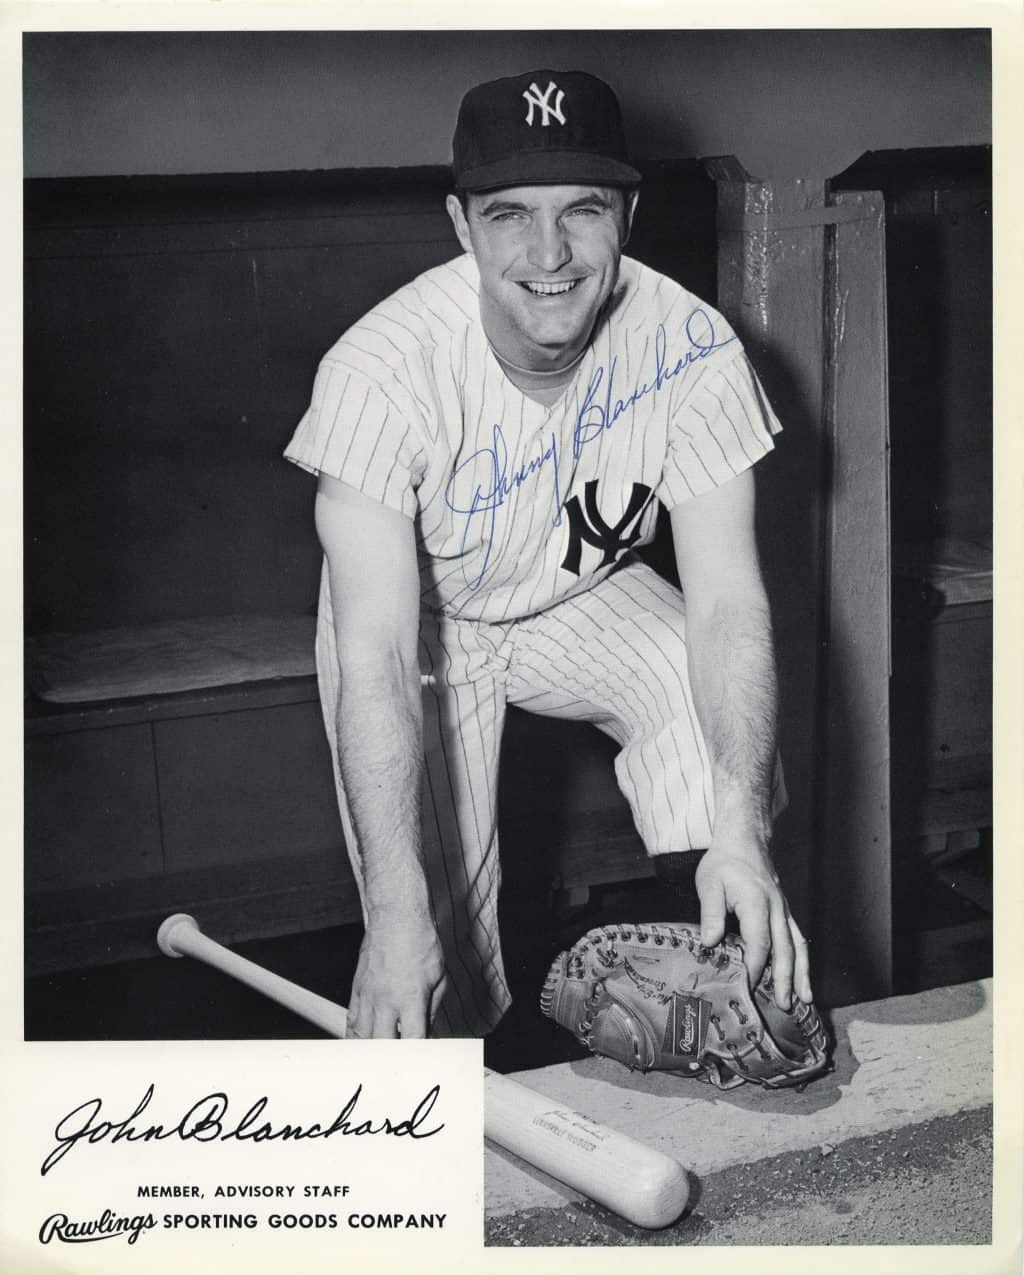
<point>927,1183</point>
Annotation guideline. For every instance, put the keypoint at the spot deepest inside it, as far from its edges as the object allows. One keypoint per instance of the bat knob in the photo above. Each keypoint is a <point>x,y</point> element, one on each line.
<point>165,935</point>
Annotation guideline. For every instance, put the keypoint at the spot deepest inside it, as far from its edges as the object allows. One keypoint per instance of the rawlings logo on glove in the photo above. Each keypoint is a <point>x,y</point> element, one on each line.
<point>653,998</point>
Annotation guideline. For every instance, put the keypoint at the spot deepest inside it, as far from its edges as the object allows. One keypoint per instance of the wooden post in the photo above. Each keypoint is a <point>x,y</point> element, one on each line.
<point>771,288</point>
<point>854,905</point>
<point>785,255</point>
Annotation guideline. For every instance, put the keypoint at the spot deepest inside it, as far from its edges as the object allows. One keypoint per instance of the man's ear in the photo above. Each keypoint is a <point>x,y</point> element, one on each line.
<point>630,209</point>
<point>455,212</point>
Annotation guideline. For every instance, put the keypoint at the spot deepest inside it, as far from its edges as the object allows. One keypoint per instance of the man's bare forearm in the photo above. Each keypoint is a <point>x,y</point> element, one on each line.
<point>731,662</point>
<point>732,671</point>
<point>380,749</point>
<point>399,981</point>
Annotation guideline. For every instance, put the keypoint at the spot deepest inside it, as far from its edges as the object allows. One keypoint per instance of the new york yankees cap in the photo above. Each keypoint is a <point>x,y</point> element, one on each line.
<point>541,128</point>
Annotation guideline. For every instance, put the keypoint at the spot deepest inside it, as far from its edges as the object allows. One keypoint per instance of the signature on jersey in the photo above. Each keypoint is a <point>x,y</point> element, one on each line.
<point>600,412</point>
<point>466,494</point>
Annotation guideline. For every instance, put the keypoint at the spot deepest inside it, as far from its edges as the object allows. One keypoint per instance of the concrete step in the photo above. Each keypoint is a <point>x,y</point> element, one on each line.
<point>898,1062</point>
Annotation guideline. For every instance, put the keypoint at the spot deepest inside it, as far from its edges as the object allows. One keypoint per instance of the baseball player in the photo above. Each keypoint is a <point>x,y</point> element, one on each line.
<point>491,442</point>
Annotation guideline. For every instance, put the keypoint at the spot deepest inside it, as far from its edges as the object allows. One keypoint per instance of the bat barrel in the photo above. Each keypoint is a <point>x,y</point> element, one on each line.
<point>634,1180</point>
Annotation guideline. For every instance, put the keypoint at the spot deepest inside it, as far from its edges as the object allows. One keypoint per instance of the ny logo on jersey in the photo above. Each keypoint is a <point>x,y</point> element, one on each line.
<point>534,97</point>
<point>591,527</point>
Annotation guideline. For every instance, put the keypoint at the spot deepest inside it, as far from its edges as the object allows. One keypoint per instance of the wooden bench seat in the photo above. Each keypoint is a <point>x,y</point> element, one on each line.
<point>137,661</point>
<point>184,767</point>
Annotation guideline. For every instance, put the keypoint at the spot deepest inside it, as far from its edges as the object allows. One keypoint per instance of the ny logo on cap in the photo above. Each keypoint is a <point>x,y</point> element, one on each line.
<point>534,97</point>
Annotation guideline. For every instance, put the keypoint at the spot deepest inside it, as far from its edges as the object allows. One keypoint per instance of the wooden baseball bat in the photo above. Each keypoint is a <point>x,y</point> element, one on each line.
<point>638,1182</point>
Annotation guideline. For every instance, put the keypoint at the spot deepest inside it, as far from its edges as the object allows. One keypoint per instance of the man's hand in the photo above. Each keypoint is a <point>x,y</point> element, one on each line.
<point>737,875</point>
<point>399,980</point>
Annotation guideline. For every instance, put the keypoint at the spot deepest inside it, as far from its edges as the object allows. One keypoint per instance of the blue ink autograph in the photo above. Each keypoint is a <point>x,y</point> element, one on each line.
<point>595,417</point>
<point>484,499</point>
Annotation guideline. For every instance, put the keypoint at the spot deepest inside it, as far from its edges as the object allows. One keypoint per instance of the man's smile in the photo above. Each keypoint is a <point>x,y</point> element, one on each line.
<point>549,289</point>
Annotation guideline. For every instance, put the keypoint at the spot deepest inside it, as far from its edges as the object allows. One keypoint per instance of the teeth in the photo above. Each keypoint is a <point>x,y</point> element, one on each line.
<point>550,289</point>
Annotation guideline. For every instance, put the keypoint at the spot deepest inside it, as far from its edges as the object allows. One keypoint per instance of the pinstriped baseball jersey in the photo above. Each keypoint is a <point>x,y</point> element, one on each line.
<point>519,506</point>
<point>523,513</point>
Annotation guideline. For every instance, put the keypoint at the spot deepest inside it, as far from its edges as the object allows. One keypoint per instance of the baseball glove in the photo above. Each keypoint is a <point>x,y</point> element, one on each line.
<point>651,997</point>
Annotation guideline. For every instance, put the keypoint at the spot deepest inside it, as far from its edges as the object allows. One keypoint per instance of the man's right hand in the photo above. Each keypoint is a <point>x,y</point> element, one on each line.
<point>400,978</point>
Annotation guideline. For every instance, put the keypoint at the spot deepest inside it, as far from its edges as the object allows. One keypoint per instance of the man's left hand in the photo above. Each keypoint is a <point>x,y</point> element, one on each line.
<point>737,875</point>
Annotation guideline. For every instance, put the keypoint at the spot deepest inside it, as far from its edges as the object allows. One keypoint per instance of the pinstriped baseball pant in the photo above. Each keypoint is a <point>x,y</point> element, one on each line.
<point>614,656</point>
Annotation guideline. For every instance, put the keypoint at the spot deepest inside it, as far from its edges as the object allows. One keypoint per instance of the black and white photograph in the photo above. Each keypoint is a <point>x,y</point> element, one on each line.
<point>508,557</point>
